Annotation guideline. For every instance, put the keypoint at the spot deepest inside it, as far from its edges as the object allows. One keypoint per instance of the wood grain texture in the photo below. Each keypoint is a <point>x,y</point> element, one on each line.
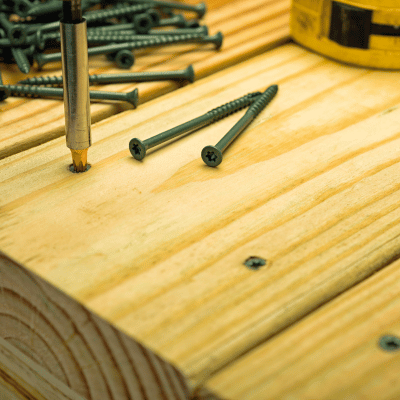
<point>331,354</point>
<point>249,28</point>
<point>53,348</point>
<point>157,247</point>
<point>21,378</point>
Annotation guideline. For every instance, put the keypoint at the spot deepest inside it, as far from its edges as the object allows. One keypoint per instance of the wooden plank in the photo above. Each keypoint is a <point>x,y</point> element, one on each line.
<point>331,354</point>
<point>20,378</point>
<point>157,247</point>
<point>53,348</point>
<point>250,28</point>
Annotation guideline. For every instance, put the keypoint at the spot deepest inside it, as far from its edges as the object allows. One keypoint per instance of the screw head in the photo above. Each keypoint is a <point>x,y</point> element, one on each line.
<point>190,73</point>
<point>211,156</point>
<point>124,59</point>
<point>137,148</point>
<point>17,35</point>
<point>143,23</point>
<point>389,343</point>
<point>255,262</point>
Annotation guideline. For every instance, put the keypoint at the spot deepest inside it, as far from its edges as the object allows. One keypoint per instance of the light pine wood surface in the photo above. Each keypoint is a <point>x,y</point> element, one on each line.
<point>332,354</point>
<point>249,28</point>
<point>157,247</point>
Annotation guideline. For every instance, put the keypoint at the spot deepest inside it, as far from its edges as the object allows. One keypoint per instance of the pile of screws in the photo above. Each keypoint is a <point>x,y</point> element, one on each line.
<point>115,27</point>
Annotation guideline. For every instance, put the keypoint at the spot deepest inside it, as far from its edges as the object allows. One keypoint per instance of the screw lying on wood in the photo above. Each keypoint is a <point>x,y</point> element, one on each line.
<point>138,148</point>
<point>212,155</point>
<point>200,9</point>
<point>94,16</point>
<point>58,93</point>
<point>186,74</point>
<point>177,20</point>
<point>216,39</point>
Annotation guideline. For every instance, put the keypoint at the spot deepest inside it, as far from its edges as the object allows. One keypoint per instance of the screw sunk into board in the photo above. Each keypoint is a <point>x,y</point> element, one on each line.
<point>389,343</point>
<point>255,262</point>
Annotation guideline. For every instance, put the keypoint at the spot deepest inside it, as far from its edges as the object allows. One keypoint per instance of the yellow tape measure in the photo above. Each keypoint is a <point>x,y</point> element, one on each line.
<point>361,32</point>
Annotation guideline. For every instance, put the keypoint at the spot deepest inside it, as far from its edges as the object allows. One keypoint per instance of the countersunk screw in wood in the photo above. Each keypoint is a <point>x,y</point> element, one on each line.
<point>212,155</point>
<point>389,343</point>
<point>138,148</point>
<point>255,262</point>
<point>58,93</point>
<point>186,74</point>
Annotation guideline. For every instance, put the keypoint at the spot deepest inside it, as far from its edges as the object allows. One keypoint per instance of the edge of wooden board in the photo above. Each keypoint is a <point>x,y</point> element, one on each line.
<point>52,347</point>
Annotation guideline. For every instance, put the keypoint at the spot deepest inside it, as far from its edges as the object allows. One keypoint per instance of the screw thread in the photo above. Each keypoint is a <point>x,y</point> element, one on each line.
<point>116,12</point>
<point>21,59</point>
<point>43,80</point>
<point>263,101</point>
<point>27,91</point>
<point>233,106</point>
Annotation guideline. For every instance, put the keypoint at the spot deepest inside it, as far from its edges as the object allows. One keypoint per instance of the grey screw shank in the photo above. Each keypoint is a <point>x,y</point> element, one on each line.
<point>216,39</point>
<point>200,9</point>
<point>58,93</point>
<point>212,155</point>
<point>101,15</point>
<point>138,148</point>
<point>184,74</point>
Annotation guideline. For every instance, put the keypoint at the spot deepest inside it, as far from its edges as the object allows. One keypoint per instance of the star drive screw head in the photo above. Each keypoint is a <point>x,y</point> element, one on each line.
<point>137,148</point>
<point>211,155</point>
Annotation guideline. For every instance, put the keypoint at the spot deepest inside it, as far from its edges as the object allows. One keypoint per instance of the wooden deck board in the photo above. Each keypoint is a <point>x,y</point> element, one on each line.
<point>312,186</point>
<point>331,354</point>
<point>250,28</point>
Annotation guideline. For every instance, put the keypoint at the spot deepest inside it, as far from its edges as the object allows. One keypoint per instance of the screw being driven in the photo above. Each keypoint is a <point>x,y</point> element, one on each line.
<point>212,155</point>
<point>138,148</point>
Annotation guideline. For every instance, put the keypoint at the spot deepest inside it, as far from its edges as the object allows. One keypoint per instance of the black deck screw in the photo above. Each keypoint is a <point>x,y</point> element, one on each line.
<point>16,33</point>
<point>143,22</point>
<point>186,74</point>
<point>122,36</point>
<point>200,9</point>
<point>101,15</point>
<point>21,59</point>
<point>52,7</point>
<point>124,59</point>
<point>138,148</point>
<point>22,7</point>
<point>57,93</point>
<point>212,155</point>
<point>202,30</point>
<point>389,343</point>
<point>216,39</point>
<point>177,20</point>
